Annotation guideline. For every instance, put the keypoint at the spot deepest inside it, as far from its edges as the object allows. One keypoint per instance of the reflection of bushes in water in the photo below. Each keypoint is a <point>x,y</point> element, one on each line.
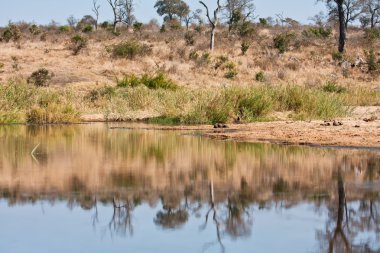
<point>125,180</point>
<point>156,152</point>
<point>173,215</point>
<point>373,168</point>
<point>280,186</point>
<point>171,219</point>
<point>128,180</point>
<point>76,184</point>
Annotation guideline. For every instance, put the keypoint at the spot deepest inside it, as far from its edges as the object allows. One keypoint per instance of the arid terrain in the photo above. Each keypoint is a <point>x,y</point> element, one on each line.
<point>93,76</point>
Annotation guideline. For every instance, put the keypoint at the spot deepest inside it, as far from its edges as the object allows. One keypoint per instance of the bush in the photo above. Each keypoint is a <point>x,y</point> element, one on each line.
<point>130,50</point>
<point>154,82</point>
<point>244,47</point>
<point>337,56</point>
<point>283,41</point>
<point>263,21</point>
<point>40,78</point>
<point>159,81</point>
<point>129,81</point>
<point>137,27</point>
<point>190,38</point>
<point>105,25</point>
<point>332,87</point>
<point>64,29</point>
<point>88,29</point>
<point>254,105</point>
<point>260,76</point>
<point>34,30</point>
<point>52,114</point>
<point>231,71</point>
<point>372,34</point>
<point>319,32</point>
<point>372,61</point>
<point>77,44</point>
<point>12,32</point>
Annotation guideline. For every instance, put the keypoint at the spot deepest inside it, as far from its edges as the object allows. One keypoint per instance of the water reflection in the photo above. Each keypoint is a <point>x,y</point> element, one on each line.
<point>219,187</point>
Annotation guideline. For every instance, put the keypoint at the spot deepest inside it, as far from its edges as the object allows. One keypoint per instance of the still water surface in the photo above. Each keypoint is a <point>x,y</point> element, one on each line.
<point>91,188</point>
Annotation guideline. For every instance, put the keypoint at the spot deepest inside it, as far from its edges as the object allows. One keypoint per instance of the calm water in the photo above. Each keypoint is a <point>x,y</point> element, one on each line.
<point>91,188</point>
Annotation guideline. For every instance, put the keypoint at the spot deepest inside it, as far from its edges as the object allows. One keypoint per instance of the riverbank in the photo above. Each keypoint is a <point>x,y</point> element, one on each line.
<point>355,132</point>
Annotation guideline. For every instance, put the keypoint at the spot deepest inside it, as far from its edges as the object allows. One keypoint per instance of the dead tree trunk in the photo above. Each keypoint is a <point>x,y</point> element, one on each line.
<point>213,22</point>
<point>95,9</point>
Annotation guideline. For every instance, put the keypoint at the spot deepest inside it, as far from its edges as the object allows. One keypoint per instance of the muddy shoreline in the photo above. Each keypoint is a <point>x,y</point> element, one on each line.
<point>355,134</point>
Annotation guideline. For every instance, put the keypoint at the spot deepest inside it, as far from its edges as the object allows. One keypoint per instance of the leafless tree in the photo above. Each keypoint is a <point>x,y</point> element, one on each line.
<point>116,6</point>
<point>371,12</point>
<point>195,15</point>
<point>72,21</point>
<point>95,10</point>
<point>213,21</point>
<point>128,7</point>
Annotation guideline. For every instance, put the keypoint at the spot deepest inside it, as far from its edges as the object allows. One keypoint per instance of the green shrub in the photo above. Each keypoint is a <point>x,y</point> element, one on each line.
<point>78,43</point>
<point>221,61</point>
<point>105,25</point>
<point>193,56</point>
<point>231,71</point>
<point>129,50</point>
<point>190,38</point>
<point>137,27</point>
<point>244,47</point>
<point>332,87</point>
<point>64,29</point>
<point>158,81</point>
<point>40,78</point>
<point>263,21</point>
<point>12,32</point>
<point>34,30</point>
<point>129,81</point>
<point>260,76</point>
<point>319,32</point>
<point>12,117</point>
<point>88,29</point>
<point>254,105</point>
<point>154,82</point>
<point>283,41</point>
<point>372,61</point>
<point>337,56</point>
<point>372,34</point>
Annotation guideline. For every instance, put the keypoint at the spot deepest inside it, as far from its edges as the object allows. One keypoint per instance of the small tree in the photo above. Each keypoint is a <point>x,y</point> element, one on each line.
<point>236,11</point>
<point>195,15</point>
<point>213,21</point>
<point>172,8</point>
<point>72,21</point>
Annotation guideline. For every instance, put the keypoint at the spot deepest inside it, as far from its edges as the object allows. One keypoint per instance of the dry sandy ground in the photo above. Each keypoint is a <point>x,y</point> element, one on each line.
<point>354,132</point>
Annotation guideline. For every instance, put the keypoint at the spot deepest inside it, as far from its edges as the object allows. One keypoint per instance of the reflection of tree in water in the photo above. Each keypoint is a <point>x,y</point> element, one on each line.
<point>351,225</point>
<point>232,218</point>
<point>121,222</point>
<point>174,214</point>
